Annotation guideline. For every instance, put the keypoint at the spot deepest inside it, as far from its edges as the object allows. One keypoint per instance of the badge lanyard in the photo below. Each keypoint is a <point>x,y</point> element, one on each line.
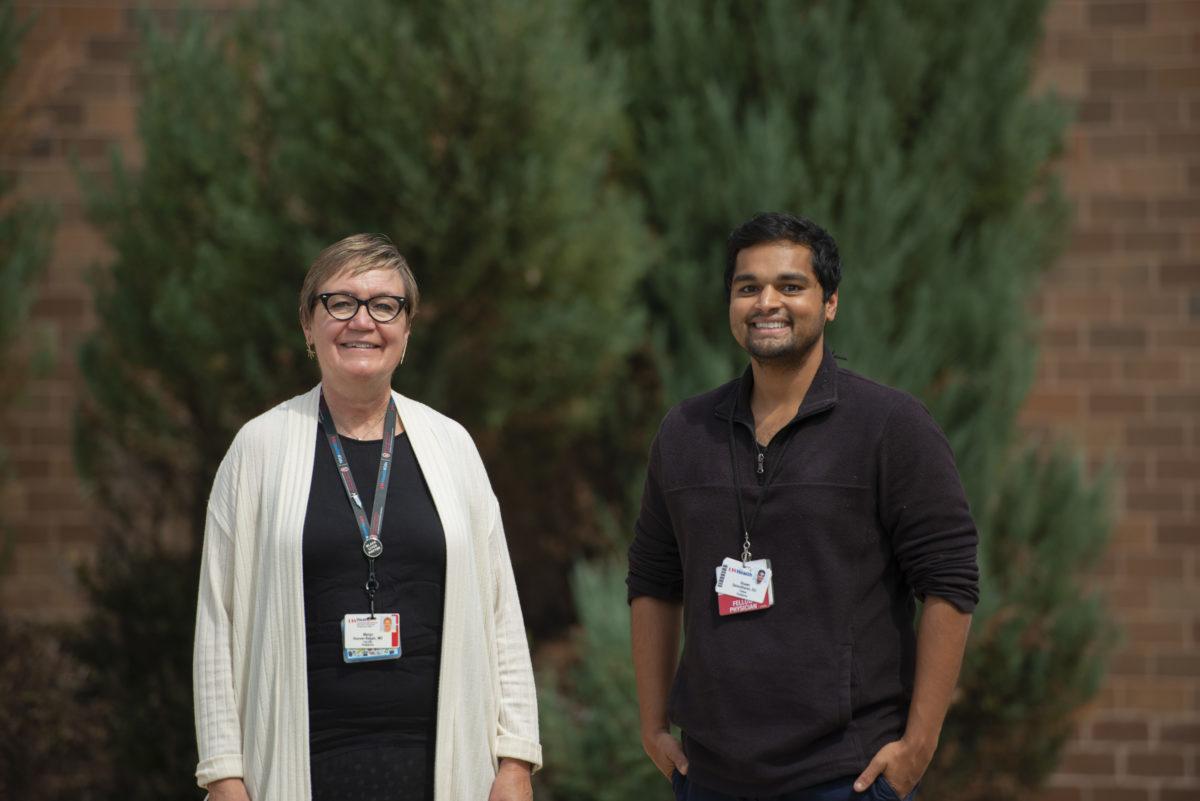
<point>372,544</point>
<point>748,525</point>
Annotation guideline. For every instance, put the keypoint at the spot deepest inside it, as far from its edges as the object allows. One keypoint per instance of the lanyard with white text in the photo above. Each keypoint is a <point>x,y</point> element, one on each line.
<point>372,544</point>
<point>737,484</point>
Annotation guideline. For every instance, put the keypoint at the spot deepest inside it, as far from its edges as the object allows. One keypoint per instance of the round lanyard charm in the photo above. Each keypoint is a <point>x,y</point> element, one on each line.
<point>372,547</point>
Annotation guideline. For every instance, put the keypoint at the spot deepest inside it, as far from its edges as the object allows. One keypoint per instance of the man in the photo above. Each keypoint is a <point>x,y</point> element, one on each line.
<point>845,493</point>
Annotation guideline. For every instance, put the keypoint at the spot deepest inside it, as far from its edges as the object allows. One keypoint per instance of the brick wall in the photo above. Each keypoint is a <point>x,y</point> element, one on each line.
<point>77,59</point>
<point>78,55</point>
<point>1120,373</point>
<point>1120,369</point>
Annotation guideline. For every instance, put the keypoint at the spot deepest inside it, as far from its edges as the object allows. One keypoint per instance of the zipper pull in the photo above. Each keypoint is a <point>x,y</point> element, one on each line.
<point>761,458</point>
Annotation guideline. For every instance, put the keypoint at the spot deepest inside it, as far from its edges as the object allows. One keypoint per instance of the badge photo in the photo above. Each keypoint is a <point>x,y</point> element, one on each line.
<point>367,637</point>
<point>744,587</point>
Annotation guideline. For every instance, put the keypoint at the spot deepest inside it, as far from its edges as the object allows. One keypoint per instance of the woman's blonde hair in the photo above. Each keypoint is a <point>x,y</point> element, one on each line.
<point>357,254</point>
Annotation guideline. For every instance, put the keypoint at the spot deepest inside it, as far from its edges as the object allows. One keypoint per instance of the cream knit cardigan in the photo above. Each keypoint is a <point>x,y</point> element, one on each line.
<point>249,666</point>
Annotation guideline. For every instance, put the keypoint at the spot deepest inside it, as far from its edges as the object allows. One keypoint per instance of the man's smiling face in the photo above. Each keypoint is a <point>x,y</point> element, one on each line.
<point>776,310</point>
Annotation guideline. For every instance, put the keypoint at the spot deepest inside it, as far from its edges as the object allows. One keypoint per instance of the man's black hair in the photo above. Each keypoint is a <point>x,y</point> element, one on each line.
<point>773,226</point>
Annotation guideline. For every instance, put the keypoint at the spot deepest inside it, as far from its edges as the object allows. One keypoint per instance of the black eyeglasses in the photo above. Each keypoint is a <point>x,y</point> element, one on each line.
<point>382,308</point>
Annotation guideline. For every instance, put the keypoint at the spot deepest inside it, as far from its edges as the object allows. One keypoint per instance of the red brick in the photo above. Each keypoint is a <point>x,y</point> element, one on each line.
<point>1079,269</point>
<point>1157,305</point>
<point>1177,336</point>
<point>1175,273</point>
<point>1128,275</point>
<point>1178,143</point>
<point>95,147</point>
<point>1179,469</point>
<point>1183,209</point>
<point>1081,47</point>
<point>95,84</point>
<point>1129,664</point>
<point>81,534</point>
<point>1118,730</point>
<point>1121,794</point>
<point>1091,370</point>
<point>1158,695</point>
<point>1177,596</point>
<point>65,115</point>
<point>1169,14</point>
<point>1188,793</point>
<point>1044,403</point>
<point>60,305</point>
<point>1089,763</point>
<point>1117,14</point>
<point>112,116</point>
<point>1156,566</point>
<point>1177,79</point>
<point>1081,303</point>
<point>1065,16</point>
<point>1104,78</point>
<point>1131,534</point>
<point>1154,435</point>
<point>1093,240</point>
<point>111,49</point>
<point>1154,46</point>
<point>1185,733</point>
<point>1120,208</point>
<point>1156,764</point>
<point>1156,242</point>
<point>1106,698</point>
<point>31,468</point>
<point>1185,664</point>
<point>1152,501</point>
<point>1065,78</point>
<point>1153,175</point>
<point>1152,369</point>
<point>1103,336</point>
<point>50,437</point>
<point>1065,337</point>
<point>1177,403</point>
<point>1179,534</point>
<point>1119,145</point>
<point>103,19</point>
<point>1122,403</point>
<point>1060,794</point>
<point>1150,110</point>
<point>1097,111</point>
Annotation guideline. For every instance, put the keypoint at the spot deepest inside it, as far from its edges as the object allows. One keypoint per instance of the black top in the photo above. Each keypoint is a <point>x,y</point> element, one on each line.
<point>389,703</point>
<point>865,514</point>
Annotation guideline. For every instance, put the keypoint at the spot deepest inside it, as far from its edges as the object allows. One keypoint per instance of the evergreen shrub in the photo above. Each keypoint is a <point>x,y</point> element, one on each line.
<point>588,707</point>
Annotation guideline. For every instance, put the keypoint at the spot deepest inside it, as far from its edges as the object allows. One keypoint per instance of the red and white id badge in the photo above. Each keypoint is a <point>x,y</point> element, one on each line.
<point>744,586</point>
<point>366,637</point>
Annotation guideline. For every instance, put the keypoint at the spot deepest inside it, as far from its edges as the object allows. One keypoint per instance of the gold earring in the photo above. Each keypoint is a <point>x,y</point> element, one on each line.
<point>312,354</point>
<point>403,353</point>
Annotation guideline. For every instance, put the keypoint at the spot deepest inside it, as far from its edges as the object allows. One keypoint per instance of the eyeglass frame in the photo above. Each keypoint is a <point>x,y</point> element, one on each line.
<point>400,300</point>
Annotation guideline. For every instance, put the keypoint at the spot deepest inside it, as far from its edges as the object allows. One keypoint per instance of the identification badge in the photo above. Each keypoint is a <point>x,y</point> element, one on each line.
<point>366,637</point>
<point>744,587</point>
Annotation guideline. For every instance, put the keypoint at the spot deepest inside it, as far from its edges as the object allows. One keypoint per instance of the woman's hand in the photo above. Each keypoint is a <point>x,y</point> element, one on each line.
<point>512,782</point>
<point>228,790</point>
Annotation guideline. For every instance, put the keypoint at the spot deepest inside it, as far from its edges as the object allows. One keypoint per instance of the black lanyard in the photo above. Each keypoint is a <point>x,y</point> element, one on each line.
<point>747,526</point>
<point>372,544</point>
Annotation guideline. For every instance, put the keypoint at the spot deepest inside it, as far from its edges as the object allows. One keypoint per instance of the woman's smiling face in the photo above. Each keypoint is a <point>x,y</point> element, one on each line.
<point>359,353</point>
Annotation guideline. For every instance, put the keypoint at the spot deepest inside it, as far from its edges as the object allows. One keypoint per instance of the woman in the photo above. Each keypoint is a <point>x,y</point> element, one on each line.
<point>342,652</point>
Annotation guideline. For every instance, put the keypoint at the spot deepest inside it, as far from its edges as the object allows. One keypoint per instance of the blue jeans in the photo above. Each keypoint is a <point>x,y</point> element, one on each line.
<point>836,790</point>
